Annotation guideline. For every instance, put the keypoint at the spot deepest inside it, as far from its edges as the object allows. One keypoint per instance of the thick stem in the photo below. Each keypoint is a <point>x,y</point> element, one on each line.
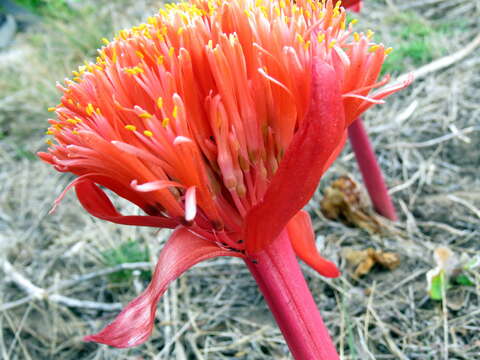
<point>281,282</point>
<point>371,172</point>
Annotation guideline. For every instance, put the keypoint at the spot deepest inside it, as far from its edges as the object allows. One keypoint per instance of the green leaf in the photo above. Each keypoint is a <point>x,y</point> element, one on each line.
<point>463,279</point>
<point>438,286</point>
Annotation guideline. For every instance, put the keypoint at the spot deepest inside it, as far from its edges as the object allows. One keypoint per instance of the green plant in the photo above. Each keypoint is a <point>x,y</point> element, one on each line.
<point>48,8</point>
<point>417,41</point>
<point>127,252</point>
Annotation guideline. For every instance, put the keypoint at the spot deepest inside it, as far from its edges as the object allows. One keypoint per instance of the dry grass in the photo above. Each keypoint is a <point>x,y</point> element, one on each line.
<point>215,310</point>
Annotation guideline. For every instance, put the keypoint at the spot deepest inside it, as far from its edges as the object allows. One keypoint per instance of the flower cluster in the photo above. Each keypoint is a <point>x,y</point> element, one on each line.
<point>216,118</point>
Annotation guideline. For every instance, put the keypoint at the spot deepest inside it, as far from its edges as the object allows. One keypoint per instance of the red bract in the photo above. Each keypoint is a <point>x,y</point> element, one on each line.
<point>216,118</point>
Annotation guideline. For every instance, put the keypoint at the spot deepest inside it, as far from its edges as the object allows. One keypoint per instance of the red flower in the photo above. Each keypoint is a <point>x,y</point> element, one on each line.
<point>217,118</point>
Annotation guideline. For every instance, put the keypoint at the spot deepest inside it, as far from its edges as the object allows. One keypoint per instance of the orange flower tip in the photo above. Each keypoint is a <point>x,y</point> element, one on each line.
<point>130,127</point>
<point>148,133</point>
<point>52,109</point>
<point>160,102</point>
<point>181,140</point>
<point>145,115</point>
<point>388,51</point>
<point>374,48</point>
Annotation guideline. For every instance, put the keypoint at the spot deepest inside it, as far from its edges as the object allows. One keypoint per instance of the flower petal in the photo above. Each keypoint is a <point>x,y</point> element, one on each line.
<point>135,323</point>
<point>97,203</point>
<point>337,151</point>
<point>319,136</point>
<point>302,236</point>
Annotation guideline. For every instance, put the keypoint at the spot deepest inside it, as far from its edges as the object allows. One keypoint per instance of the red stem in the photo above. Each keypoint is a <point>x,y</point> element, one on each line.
<point>371,172</point>
<point>281,282</point>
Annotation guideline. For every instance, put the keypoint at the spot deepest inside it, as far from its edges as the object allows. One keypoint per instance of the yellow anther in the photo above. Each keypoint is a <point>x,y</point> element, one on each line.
<point>171,51</point>
<point>133,71</point>
<point>148,133</point>
<point>356,36</point>
<point>123,34</point>
<point>74,132</point>
<point>332,44</point>
<point>130,127</point>
<point>374,48</point>
<point>139,54</point>
<point>75,73</point>
<point>152,20</point>
<point>145,115</point>
<point>180,31</point>
<point>160,60</point>
<point>114,56</point>
<point>307,45</point>
<point>105,41</point>
<point>49,142</point>
<point>282,4</point>
<point>354,21</point>
<point>247,13</point>
<point>160,102</point>
<point>343,25</point>
<point>388,50</point>
<point>90,109</point>
<point>175,112</point>
<point>320,37</point>
<point>70,101</point>
<point>300,38</point>
<point>72,121</point>
<point>49,132</point>
<point>51,109</point>
<point>370,34</point>
<point>210,44</point>
<point>165,122</point>
<point>77,79</point>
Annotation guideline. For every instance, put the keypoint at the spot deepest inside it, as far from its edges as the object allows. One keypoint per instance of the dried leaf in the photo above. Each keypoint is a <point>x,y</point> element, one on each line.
<point>345,200</point>
<point>364,260</point>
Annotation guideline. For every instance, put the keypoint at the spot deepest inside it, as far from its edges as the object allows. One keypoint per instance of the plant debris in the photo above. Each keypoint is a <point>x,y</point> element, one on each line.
<point>345,200</point>
<point>365,260</point>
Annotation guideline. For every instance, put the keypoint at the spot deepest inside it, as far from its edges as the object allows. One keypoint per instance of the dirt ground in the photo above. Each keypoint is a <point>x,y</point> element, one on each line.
<point>427,139</point>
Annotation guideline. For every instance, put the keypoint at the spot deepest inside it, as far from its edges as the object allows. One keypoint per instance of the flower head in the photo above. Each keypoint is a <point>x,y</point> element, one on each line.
<point>217,118</point>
